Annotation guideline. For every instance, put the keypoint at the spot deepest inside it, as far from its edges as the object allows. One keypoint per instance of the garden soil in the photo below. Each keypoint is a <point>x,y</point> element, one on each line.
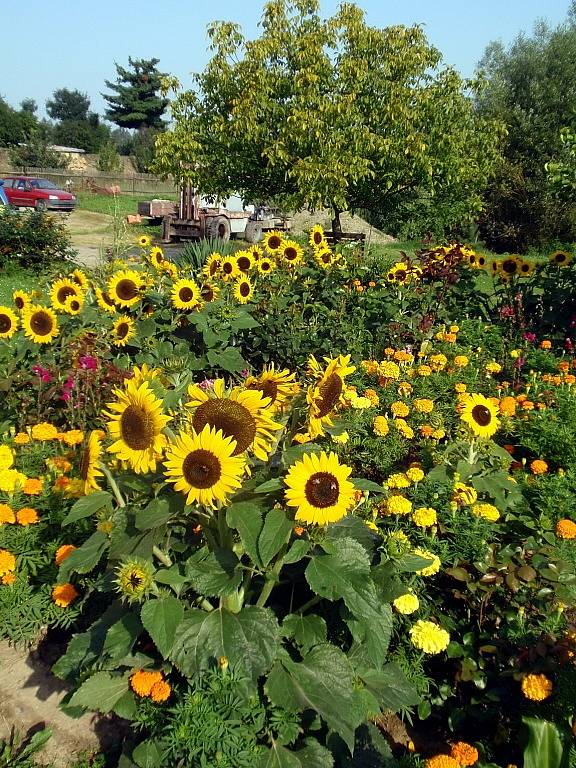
<point>30,701</point>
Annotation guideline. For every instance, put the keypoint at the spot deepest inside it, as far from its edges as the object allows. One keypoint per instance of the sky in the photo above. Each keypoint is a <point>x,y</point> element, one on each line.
<point>74,45</point>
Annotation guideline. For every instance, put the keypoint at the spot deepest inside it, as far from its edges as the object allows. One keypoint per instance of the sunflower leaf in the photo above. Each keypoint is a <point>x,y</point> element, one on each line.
<point>100,692</point>
<point>87,506</point>
<point>246,517</point>
<point>215,573</point>
<point>275,533</point>
<point>83,559</point>
<point>161,619</point>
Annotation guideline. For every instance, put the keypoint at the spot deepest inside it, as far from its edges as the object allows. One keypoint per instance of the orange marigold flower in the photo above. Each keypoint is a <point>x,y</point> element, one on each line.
<point>564,366</point>
<point>160,691</point>
<point>44,431</point>
<point>8,578</point>
<point>426,430</point>
<point>536,687</point>
<point>21,438</point>
<point>6,514</point>
<point>26,516</point>
<point>61,483</point>
<point>545,344</point>
<point>527,405</point>
<point>63,552</point>
<point>566,529</point>
<point>298,530</point>
<point>464,753</point>
<point>64,594</point>
<point>59,463</point>
<point>7,562</point>
<point>143,680</point>
<point>33,486</point>
<point>441,761</point>
<point>73,437</point>
<point>507,406</point>
<point>372,395</point>
<point>539,467</point>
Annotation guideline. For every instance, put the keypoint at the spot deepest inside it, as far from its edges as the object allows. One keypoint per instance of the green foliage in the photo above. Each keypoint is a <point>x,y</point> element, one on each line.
<point>108,158</point>
<point>33,238</point>
<point>562,171</point>
<point>36,153</point>
<point>135,101</point>
<point>16,753</point>
<point>15,126</point>
<point>68,105</point>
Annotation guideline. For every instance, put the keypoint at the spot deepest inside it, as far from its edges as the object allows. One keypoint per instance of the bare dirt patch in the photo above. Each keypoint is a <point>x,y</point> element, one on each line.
<point>304,220</point>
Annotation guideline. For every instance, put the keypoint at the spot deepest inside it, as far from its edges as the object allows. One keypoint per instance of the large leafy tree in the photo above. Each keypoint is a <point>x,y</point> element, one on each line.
<point>331,114</point>
<point>15,126</point>
<point>136,101</point>
<point>68,105</point>
<point>531,87</point>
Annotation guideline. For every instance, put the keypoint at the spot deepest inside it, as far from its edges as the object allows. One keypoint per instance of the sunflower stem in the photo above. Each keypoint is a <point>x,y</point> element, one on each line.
<point>169,434</point>
<point>164,559</point>
<point>113,485</point>
<point>309,604</point>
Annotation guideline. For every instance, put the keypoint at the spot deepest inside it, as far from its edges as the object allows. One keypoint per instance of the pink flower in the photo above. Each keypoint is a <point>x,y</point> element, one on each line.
<point>43,373</point>
<point>529,336</point>
<point>88,363</point>
<point>206,384</point>
<point>245,373</point>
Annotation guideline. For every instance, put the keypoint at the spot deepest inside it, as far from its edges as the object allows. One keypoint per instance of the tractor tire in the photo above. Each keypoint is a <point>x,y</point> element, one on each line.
<point>253,232</point>
<point>218,228</point>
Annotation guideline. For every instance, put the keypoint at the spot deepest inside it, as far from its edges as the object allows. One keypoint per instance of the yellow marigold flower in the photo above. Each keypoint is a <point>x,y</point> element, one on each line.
<point>8,578</point>
<point>73,437</point>
<point>398,505</point>
<point>398,480</point>
<point>63,552</point>
<point>424,517</point>
<point>143,680</point>
<point>372,395</point>
<point>441,761</point>
<point>44,431</point>
<point>360,402</point>
<point>370,366</point>
<point>21,438</point>
<point>463,494</point>
<point>415,474</point>
<point>6,457</point>
<point>380,426</point>
<point>425,554</point>
<point>388,370</point>
<point>493,367</point>
<point>565,529</point>
<point>404,428</point>
<point>406,604</point>
<point>405,388</point>
<point>424,405</point>
<point>64,594</point>
<point>33,486</point>
<point>26,516</point>
<point>10,479</point>
<point>7,562</point>
<point>429,637</point>
<point>461,361</point>
<point>424,370</point>
<point>438,362</point>
<point>539,467</point>
<point>536,687</point>
<point>160,691</point>
<point>399,408</point>
<point>403,357</point>
<point>460,388</point>
<point>464,753</point>
<point>487,511</point>
<point>454,328</point>
<point>439,434</point>
<point>342,438</point>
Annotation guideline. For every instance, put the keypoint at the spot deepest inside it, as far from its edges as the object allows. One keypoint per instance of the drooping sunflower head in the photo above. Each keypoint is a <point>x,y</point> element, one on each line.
<point>319,488</point>
<point>73,305</point>
<point>80,279</point>
<point>229,268</point>
<point>324,257</point>
<point>8,323</point>
<point>89,471</point>
<point>136,424</point>
<point>134,579</point>
<point>279,386</point>
<point>241,414</point>
<point>255,252</point>
<point>21,300</point>
<point>185,294</point>
<point>481,415</point>
<point>156,257</point>
<point>40,324</point>
<point>266,265</point>
<point>125,287</point>
<point>61,290</point>
<point>495,267</point>
<point>212,266</point>
<point>244,261</point>
<point>204,466</point>
<point>209,292</point>
<point>123,330</point>
<point>273,240</point>
<point>317,238</point>
<point>291,253</point>
<point>144,241</point>
<point>561,258</point>
<point>104,300</point>
<point>243,290</point>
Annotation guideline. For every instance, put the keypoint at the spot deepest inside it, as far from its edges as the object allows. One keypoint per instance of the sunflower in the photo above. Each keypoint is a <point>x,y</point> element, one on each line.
<point>40,324</point>
<point>561,258</point>
<point>319,488</point>
<point>279,386</point>
<point>327,394</point>
<point>241,414</point>
<point>73,305</point>
<point>495,267</point>
<point>89,472</point>
<point>399,273</point>
<point>256,252</point>
<point>266,265</point>
<point>61,290</point>
<point>317,238</point>
<point>136,424</point>
<point>324,257</point>
<point>135,581</point>
<point>156,257</point>
<point>243,290</point>
<point>21,300</point>
<point>209,292</point>
<point>80,279</point>
<point>244,261</point>
<point>185,294</point>
<point>144,241</point>
<point>204,466</point>
<point>273,240</point>
<point>526,268</point>
<point>481,415</point>
<point>510,266</point>
<point>104,301</point>
<point>212,266</point>
<point>123,330</point>
<point>229,267</point>
<point>291,252</point>
<point>8,323</point>
<point>124,287</point>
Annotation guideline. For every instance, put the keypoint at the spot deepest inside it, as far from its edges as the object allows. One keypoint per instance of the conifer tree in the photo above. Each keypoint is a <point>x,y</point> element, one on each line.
<point>136,102</point>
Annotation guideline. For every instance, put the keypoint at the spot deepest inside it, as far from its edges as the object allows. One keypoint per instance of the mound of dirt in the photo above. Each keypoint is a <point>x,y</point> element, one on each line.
<point>304,220</point>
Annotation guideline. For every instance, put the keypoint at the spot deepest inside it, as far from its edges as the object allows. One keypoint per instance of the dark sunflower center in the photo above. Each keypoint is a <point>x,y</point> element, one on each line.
<point>201,469</point>
<point>330,392</point>
<point>244,290</point>
<point>137,428</point>
<point>233,419</point>
<point>559,258</point>
<point>135,579</point>
<point>290,253</point>
<point>19,302</point>
<point>85,463</point>
<point>122,330</point>
<point>214,267</point>
<point>481,415</point>
<point>265,266</point>
<point>186,294</point>
<point>5,323</point>
<point>206,293</point>
<point>227,267</point>
<point>525,268</point>
<point>127,289</point>
<point>509,266</point>
<point>74,305</point>
<point>400,275</point>
<point>268,388</point>
<point>472,259</point>
<point>322,490</point>
<point>106,299</point>
<point>41,323</point>
<point>63,293</point>
<point>317,238</point>
<point>244,263</point>
<point>481,261</point>
<point>274,242</point>
<point>326,258</point>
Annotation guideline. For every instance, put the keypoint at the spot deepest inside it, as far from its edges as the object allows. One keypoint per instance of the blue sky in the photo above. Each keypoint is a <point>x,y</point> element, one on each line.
<point>75,44</point>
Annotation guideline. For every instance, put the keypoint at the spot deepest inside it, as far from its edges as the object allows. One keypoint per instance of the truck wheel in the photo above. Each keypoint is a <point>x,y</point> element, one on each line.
<point>218,228</point>
<point>253,232</point>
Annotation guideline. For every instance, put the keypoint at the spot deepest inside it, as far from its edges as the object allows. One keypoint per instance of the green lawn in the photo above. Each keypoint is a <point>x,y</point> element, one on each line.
<point>109,204</point>
<point>15,280</point>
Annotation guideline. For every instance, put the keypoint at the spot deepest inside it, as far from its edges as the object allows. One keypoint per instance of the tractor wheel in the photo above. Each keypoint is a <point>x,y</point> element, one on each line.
<point>253,232</point>
<point>218,228</point>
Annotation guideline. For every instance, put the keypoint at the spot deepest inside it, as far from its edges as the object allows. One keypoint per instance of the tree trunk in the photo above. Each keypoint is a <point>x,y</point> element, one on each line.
<point>336,225</point>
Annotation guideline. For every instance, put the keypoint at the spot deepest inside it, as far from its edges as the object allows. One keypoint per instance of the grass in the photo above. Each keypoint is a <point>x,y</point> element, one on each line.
<point>110,204</point>
<point>15,279</point>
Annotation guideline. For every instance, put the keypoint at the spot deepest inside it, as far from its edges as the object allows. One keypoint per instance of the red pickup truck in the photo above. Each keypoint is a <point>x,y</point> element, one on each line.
<point>37,193</point>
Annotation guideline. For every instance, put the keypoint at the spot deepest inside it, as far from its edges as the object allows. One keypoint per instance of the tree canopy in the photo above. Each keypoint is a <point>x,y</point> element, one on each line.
<point>68,105</point>
<point>333,114</point>
<point>136,101</point>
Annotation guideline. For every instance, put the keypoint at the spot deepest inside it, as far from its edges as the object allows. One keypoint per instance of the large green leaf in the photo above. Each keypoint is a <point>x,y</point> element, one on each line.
<point>324,682</point>
<point>214,573</point>
<point>372,632</point>
<point>87,505</point>
<point>148,755</point>
<point>161,619</point>
<point>390,687</point>
<point>544,748</point>
<point>275,533</point>
<point>246,517</point>
<point>154,514</point>
<point>311,755</point>
<point>100,692</point>
<point>86,557</point>
<point>121,636</point>
<point>229,359</point>
<point>307,631</point>
<point>352,527</point>
<point>248,639</point>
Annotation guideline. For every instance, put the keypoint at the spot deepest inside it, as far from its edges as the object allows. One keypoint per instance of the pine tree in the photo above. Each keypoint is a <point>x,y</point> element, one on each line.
<point>136,102</point>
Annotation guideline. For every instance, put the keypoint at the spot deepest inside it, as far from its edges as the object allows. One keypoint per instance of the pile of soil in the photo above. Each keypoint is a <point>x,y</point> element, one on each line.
<point>304,220</point>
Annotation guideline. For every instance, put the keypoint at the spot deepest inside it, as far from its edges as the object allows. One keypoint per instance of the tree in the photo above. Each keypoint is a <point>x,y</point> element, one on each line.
<point>562,171</point>
<point>15,127</point>
<point>531,87</point>
<point>136,101</point>
<point>36,153</point>
<point>68,105</point>
<point>29,105</point>
<point>332,114</point>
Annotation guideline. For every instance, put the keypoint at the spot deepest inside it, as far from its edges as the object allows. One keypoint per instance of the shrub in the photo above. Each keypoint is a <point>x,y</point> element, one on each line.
<point>32,238</point>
